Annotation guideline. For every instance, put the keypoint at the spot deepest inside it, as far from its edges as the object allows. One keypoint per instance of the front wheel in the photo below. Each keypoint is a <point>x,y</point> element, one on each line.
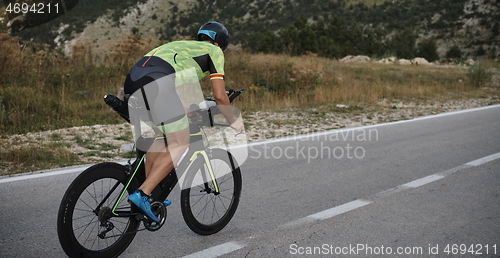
<point>85,225</point>
<point>205,211</point>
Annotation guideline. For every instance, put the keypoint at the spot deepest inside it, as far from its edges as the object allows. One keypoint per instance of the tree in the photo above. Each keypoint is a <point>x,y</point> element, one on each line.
<point>493,53</point>
<point>337,29</point>
<point>356,44</point>
<point>319,27</point>
<point>376,45</point>
<point>301,22</point>
<point>290,39</point>
<point>307,41</point>
<point>495,31</point>
<point>328,48</point>
<point>403,44</point>
<point>480,51</point>
<point>135,31</point>
<point>428,50</point>
<point>300,37</point>
<point>264,41</point>
<point>454,52</point>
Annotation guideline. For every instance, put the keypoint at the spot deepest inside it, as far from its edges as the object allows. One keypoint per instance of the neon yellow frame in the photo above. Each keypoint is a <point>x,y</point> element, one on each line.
<point>209,166</point>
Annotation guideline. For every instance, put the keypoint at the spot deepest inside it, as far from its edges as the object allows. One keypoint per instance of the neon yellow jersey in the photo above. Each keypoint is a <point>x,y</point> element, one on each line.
<point>192,60</point>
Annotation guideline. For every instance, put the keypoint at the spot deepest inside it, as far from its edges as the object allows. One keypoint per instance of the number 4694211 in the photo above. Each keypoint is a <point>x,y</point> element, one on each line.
<point>474,249</point>
<point>34,8</point>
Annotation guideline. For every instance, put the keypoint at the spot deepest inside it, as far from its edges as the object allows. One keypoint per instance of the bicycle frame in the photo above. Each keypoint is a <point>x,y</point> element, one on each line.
<point>160,193</point>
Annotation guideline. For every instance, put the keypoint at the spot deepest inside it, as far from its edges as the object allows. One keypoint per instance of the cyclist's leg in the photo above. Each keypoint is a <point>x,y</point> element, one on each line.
<point>161,109</point>
<point>160,159</point>
<point>172,130</point>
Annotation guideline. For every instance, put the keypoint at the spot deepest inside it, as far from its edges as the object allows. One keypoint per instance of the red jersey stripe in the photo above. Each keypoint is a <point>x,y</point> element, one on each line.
<point>216,76</point>
<point>148,59</point>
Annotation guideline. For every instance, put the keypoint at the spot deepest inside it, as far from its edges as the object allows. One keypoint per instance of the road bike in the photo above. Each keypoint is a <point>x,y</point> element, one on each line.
<point>95,219</point>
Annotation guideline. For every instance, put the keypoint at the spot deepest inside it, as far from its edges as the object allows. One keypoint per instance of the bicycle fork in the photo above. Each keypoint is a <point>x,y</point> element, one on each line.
<point>204,154</point>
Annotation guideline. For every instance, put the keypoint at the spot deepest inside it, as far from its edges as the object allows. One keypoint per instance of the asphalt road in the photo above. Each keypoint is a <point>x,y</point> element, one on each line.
<point>420,188</point>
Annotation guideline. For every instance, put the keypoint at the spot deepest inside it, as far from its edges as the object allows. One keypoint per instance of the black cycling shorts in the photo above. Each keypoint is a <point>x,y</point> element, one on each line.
<point>154,78</point>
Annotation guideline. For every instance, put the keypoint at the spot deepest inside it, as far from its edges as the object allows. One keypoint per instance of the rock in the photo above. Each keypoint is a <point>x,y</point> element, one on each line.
<point>404,62</point>
<point>350,58</point>
<point>346,58</point>
<point>470,61</point>
<point>388,60</point>
<point>127,147</point>
<point>420,61</point>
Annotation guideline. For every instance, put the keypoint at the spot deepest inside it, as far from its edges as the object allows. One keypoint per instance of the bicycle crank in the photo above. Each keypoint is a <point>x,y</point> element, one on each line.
<point>160,210</point>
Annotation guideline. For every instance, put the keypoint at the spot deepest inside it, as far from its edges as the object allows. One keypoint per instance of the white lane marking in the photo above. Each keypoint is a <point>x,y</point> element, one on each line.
<point>423,181</point>
<point>283,139</point>
<point>346,207</point>
<point>453,170</point>
<point>326,214</point>
<point>55,173</point>
<point>440,175</point>
<point>484,160</point>
<point>216,251</point>
<point>332,212</point>
<point>391,191</point>
<point>45,174</point>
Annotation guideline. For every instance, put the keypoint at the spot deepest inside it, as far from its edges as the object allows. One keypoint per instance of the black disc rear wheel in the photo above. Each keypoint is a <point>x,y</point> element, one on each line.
<point>86,226</point>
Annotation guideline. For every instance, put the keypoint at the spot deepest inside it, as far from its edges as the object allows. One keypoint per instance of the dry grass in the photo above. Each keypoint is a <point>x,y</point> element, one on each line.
<point>32,158</point>
<point>279,81</point>
<point>41,90</point>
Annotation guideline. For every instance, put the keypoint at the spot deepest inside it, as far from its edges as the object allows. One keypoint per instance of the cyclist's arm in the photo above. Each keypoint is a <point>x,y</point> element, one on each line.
<point>222,100</point>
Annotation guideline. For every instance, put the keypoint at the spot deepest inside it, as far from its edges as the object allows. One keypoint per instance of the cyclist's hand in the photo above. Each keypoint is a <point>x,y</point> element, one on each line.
<point>238,126</point>
<point>206,104</point>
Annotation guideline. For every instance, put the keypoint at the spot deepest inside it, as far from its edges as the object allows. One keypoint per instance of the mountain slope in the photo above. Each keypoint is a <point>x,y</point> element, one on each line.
<point>472,25</point>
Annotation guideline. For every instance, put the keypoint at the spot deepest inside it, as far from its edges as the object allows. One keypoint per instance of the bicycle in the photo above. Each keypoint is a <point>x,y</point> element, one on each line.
<point>95,219</point>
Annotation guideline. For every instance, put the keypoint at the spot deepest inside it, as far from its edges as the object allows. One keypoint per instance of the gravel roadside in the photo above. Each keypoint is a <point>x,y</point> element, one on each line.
<point>98,143</point>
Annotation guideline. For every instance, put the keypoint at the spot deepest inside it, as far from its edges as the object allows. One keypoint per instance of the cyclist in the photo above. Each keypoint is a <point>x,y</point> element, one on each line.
<point>156,69</point>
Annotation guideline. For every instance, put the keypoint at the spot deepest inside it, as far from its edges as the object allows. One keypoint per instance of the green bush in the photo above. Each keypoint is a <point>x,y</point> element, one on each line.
<point>428,50</point>
<point>454,52</point>
<point>480,51</point>
<point>403,44</point>
<point>479,75</point>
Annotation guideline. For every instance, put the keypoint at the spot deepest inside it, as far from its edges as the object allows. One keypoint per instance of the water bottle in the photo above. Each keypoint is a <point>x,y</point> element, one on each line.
<point>113,101</point>
<point>118,106</point>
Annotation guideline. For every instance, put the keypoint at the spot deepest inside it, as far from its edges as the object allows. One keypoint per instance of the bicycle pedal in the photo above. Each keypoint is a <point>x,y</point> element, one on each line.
<point>167,203</point>
<point>160,210</point>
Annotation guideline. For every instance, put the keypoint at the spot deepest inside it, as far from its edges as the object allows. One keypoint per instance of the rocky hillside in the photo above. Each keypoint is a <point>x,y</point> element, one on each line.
<point>472,25</point>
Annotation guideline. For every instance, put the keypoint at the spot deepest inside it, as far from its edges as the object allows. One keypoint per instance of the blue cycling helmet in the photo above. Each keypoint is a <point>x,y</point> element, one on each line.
<point>215,32</point>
